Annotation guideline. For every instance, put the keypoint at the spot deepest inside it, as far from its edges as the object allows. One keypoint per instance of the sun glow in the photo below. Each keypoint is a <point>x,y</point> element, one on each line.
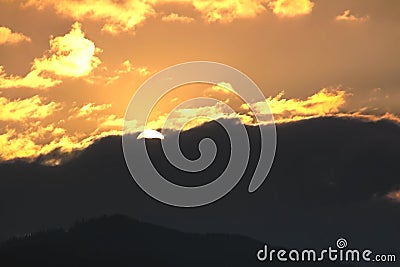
<point>150,134</point>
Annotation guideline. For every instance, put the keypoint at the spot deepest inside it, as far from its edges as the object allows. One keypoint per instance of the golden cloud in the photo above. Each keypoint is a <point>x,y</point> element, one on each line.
<point>118,16</point>
<point>228,10</point>
<point>321,103</point>
<point>347,16</point>
<point>26,109</point>
<point>9,37</point>
<point>291,8</point>
<point>325,102</point>
<point>128,67</point>
<point>31,130</point>
<point>34,79</point>
<point>86,110</point>
<point>71,55</point>
<point>174,17</point>
<point>29,144</point>
<point>106,77</point>
<point>125,16</point>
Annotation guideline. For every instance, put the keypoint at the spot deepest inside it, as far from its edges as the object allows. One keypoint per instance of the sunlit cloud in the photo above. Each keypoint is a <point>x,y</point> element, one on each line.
<point>222,87</point>
<point>7,36</point>
<point>227,10</point>
<point>127,67</point>
<point>394,195</point>
<point>30,128</point>
<point>108,77</point>
<point>291,8</point>
<point>29,143</point>
<point>34,79</point>
<point>174,17</point>
<point>322,103</point>
<point>32,132</point>
<point>117,16</point>
<point>71,55</point>
<point>87,110</point>
<point>347,16</point>
<point>125,16</point>
<point>26,109</point>
<point>195,116</point>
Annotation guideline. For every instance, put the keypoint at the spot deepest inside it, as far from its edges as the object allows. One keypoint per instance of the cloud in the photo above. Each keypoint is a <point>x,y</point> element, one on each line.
<point>117,16</point>
<point>86,110</point>
<point>71,55</point>
<point>34,79</point>
<point>125,16</point>
<point>322,103</point>
<point>108,77</point>
<point>9,37</point>
<point>26,109</point>
<point>187,118</point>
<point>394,195</point>
<point>291,8</point>
<point>32,128</point>
<point>128,67</point>
<point>223,87</point>
<point>346,16</point>
<point>174,17</point>
<point>228,10</point>
<point>30,144</point>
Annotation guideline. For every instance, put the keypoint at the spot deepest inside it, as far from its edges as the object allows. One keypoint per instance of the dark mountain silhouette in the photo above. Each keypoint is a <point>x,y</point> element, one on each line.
<point>329,180</point>
<point>120,241</point>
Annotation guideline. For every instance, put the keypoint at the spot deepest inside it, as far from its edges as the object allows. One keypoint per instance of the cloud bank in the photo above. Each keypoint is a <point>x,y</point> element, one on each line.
<point>126,16</point>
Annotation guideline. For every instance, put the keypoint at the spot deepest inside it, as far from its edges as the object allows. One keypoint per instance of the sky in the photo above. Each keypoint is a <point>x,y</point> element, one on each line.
<point>69,68</point>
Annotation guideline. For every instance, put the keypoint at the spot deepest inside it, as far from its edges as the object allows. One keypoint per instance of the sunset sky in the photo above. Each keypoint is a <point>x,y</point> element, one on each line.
<point>69,68</point>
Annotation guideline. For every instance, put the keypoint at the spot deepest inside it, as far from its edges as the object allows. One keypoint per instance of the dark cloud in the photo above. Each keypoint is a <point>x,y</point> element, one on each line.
<point>330,179</point>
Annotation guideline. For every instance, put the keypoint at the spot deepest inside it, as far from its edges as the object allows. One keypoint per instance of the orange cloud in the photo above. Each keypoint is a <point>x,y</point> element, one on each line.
<point>37,140</point>
<point>228,10</point>
<point>174,17</point>
<point>323,103</point>
<point>125,16</point>
<point>86,110</point>
<point>395,196</point>
<point>291,8</point>
<point>9,37</point>
<point>320,104</point>
<point>32,128</point>
<point>26,109</point>
<point>106,77</point>
<point>71,55</point>
<point>127,67</point>
<point>29,140</point>
<point>118,16</point>
<point>346,16</point>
